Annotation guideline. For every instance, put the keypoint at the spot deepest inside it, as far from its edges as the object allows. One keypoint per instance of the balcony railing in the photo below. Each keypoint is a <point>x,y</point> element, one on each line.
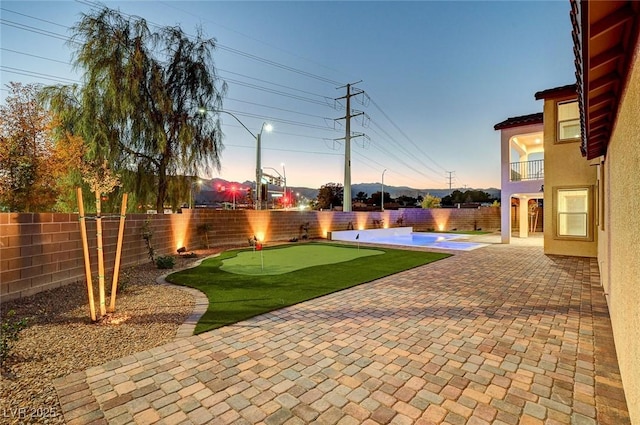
<point>527,170</point>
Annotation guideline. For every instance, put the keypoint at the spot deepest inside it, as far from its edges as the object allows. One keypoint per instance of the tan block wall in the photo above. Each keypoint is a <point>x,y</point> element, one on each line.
<point>564,165</point>
<point>620,255</point>
<point>44,251</point>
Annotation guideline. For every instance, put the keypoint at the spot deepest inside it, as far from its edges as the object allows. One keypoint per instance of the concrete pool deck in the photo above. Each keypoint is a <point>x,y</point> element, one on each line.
<point>498,335</point>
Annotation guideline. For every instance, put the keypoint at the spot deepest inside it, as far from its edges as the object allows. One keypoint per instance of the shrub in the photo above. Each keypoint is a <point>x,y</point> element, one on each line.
<point>204,229</point>
<point>430,201</point>
<point>147,234</point>
<point>10,334</point>
<point>165,262</point>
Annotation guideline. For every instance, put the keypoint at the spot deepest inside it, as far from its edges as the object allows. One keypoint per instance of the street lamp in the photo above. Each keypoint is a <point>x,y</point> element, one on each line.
<point>199,183</point>
<point>279,180</point>
<point>268,127</point>
<point>265,126</point>
<point>382,194</point>
<point>233,190</point>
<point>284,176</point>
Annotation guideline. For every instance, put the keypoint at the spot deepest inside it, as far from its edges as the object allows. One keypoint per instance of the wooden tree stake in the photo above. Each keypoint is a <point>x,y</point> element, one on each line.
<point>116,266</point>
<point>87,259</point>
<point>103,309</point>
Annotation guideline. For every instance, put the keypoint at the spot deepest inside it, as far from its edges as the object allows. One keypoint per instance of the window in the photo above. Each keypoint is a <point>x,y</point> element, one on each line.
<point>573,212</point>
<point>568,121</point>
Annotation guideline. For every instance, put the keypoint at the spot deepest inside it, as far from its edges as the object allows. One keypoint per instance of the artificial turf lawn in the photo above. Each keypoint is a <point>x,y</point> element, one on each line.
<point>235,297</point>
<point>281,261</point>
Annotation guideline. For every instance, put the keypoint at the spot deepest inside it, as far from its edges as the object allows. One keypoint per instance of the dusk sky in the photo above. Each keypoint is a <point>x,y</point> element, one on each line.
<point>437,75</point>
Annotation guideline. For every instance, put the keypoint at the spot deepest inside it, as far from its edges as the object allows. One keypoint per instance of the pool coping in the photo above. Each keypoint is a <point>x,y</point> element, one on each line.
<point>368,236</point>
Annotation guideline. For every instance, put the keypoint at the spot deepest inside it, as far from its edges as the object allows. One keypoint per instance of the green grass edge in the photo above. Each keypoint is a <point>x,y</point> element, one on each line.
<point>300,285</point>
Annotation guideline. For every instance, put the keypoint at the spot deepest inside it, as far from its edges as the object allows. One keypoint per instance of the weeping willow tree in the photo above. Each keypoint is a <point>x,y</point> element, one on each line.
<point>138,105</point>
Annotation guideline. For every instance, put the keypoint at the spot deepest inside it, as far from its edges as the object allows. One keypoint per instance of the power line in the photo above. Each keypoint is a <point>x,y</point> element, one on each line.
<point>276,108</point>
<point>314,99</point>
<point>272,83</point>
<point>380,165</point>
<point>390,154</point>
<point>35,56</point>
<point>404,134</point>
<point>54,78</point>
<point>34,30</point>
<point>239,82</point>
<point>256,87</point>
<point>277,92</point>
<point>239,52</point>
<point>33,17</point>
<point>402,148</point>
<point>262,41</point>
<point>280,120</point>
<point>28,73</point>
<point>305,136</point>
<point>284,150</point>
<point>68,39</point>
<point>276,64</point>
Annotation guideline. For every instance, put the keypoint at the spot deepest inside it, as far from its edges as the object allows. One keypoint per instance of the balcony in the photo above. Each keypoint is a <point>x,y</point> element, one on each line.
<point>527,170</point>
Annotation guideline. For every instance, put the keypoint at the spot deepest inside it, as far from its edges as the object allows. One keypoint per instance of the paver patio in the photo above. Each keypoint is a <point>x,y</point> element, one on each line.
<point>499,335</point>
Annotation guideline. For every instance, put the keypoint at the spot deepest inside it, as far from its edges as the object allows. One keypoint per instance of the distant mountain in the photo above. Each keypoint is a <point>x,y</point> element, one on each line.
<point>217,190</point>
<point>396,191</point>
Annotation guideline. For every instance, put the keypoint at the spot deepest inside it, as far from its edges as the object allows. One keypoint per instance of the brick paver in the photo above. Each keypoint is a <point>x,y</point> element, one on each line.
<point>502,334</point>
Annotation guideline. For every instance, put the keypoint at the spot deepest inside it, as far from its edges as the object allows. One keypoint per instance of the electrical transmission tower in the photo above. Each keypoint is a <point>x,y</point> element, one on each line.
<point>346,203</point>
<point>450,178</point>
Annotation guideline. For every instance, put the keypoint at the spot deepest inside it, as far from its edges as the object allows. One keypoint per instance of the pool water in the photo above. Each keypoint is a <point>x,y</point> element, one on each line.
<point>431,240</point>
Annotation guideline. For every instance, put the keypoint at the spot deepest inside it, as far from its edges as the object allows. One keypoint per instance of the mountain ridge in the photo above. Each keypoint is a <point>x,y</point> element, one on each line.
<point>217,186</point>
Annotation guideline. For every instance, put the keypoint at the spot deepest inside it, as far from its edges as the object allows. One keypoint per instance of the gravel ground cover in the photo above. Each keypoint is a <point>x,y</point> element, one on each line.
<point>61,339</point>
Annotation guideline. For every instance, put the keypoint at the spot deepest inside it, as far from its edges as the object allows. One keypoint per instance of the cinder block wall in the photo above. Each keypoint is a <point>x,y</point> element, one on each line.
<point>44,251</point>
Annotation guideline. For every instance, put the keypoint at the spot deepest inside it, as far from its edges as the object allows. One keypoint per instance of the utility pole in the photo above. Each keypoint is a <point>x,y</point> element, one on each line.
<point>346,199</point>
<point>382,192</point>
<point>450,178</point>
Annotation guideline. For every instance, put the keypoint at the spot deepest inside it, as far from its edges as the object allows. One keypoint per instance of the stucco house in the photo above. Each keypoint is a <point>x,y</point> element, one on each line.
<point>589,178</point>
<point>541,160</point>
<point>607,58</point>
<point>522,172</point>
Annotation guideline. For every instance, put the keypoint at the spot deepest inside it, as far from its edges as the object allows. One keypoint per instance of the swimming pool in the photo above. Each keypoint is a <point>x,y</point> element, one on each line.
<point>431,240</point>
<point>405,236</point>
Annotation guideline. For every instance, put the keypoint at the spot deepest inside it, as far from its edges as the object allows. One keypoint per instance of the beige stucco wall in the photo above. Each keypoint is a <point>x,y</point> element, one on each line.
<point>564,165</point>
<point>528,188</point>
<point>620,257</point>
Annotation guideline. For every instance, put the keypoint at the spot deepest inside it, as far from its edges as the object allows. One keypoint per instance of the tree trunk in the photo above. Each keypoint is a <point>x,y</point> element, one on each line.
<point>162,188</point>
